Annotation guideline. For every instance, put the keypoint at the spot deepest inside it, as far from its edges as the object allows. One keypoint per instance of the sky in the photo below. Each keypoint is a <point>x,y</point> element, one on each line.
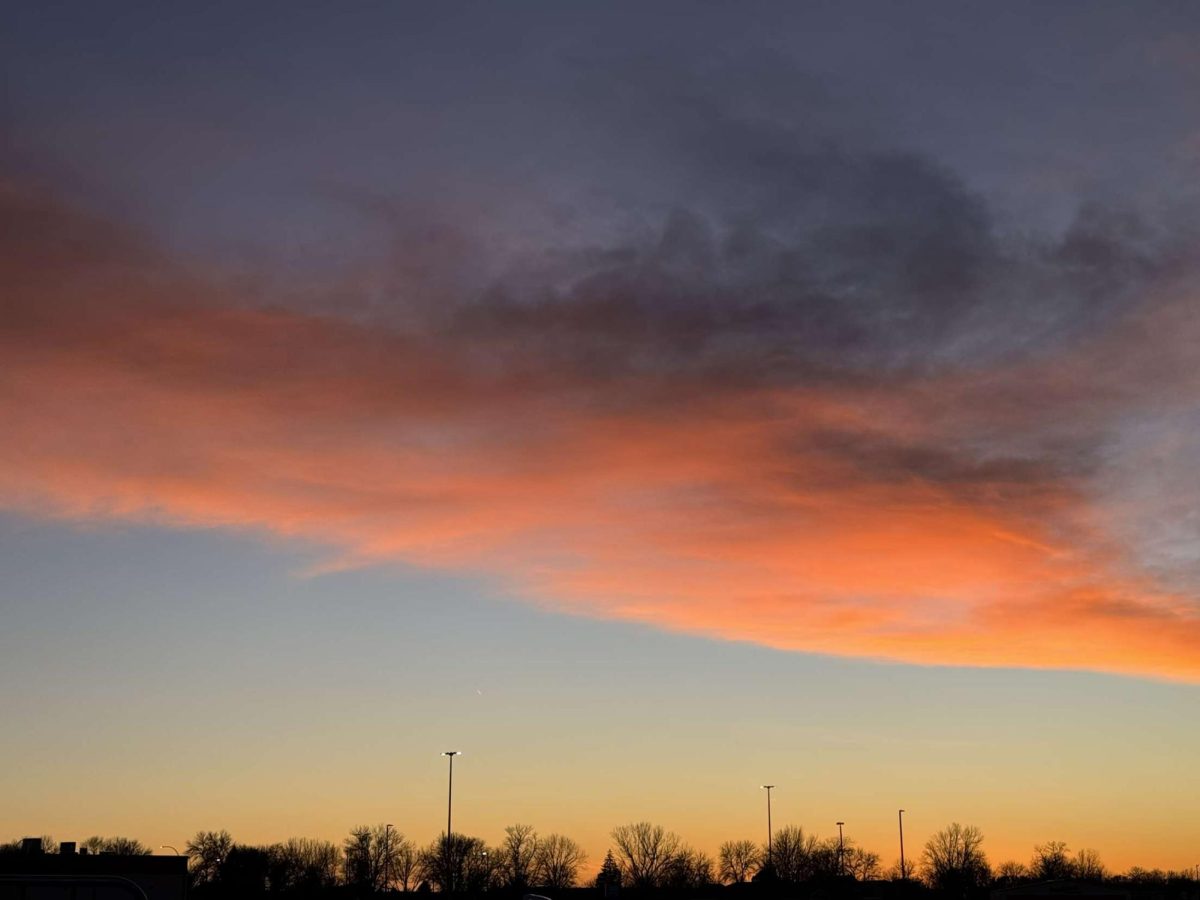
<point>649,400</point>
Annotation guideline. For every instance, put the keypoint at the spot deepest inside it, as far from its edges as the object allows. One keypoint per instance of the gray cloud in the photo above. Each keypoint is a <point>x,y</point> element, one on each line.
<point>695,234</point>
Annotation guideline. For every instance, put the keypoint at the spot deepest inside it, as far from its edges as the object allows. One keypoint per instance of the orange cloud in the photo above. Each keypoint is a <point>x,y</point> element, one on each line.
<point>912,519</point>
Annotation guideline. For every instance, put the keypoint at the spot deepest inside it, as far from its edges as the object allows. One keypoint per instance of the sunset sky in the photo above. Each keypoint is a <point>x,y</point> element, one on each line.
<point>650,400</point>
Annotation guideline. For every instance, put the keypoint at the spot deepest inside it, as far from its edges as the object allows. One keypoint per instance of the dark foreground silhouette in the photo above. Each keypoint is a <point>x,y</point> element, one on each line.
<point>646,861</point>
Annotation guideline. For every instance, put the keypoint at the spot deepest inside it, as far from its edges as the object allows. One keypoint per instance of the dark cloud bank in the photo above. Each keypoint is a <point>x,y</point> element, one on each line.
<point>1009,367</point>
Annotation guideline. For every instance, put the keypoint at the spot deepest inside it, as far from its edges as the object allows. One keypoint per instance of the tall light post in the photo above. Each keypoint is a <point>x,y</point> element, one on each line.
<point>450,792</point>
<point>841,850</point>
<point>903,873</point>
<point>449,808</point>
<point>767,788</point>
<point>168,847</point>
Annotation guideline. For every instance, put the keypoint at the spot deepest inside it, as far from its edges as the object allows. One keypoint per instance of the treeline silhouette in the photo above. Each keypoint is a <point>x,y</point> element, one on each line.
<point>643,859</point>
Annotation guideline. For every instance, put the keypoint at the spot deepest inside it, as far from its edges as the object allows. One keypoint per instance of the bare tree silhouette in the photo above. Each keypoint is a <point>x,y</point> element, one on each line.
<point>738,861</point>
<point>517,853</point>
<point>120,845</point>
<point>362,864</point>
<point>1011,872</point>
<point>207,851</point>
<point>860,864</point>
<point>402,866</point>
<point>302,865</point>
<point>797,856</point>
<point>954,861</point>
<point>688,869</point>
<point>459,863</point>
<point>557,862</point>
<point>645,853</point>
<point>375,859</point>
<point>1087,865</point>
<point>1051,860</point>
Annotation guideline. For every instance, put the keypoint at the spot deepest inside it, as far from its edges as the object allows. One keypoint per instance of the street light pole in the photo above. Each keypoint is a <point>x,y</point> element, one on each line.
<point>841,850</point>
<point>169,847</point>
<point>903,873</point>
<point>767,788</point>
<point>450,791</point>
<point>449,808</point>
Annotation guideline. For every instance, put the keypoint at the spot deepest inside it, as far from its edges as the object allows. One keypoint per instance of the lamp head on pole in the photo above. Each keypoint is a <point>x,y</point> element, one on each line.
<point>452,753</point>
<point>766,787</point>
